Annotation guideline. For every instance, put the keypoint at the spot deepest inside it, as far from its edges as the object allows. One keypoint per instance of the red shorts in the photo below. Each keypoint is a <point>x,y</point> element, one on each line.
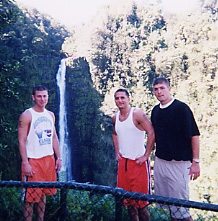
<point>134,178</point>
<point>44,169</point>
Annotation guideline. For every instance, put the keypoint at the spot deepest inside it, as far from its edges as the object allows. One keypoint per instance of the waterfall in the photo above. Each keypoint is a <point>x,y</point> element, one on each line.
<point>65,173</point>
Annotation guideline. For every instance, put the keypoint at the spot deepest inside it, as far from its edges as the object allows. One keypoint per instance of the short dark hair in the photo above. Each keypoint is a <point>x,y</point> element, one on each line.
<point>39,88</point>
<point>161,80</point>
<point>122,90</point>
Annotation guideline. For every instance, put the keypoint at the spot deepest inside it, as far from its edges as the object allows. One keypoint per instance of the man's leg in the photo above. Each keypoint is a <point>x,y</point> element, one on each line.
<point>133,213</point>
<point>138,214</point>
<point>144,214</point>
<point>28,211</point>
<point>41,208</point>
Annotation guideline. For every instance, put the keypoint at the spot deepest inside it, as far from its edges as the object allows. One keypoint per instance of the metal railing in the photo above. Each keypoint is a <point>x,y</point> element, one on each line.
<point>78,201</point>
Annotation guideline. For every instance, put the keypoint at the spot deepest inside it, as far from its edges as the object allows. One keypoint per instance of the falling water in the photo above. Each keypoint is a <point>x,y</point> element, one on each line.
<point>65,174</point>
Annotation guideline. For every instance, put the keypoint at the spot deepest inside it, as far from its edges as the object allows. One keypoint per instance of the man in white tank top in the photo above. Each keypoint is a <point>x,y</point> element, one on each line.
<point>129,127</point>
<point>38,142</point>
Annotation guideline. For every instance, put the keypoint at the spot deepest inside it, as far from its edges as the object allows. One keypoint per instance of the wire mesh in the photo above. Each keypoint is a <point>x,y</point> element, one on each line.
<point>78,201</point>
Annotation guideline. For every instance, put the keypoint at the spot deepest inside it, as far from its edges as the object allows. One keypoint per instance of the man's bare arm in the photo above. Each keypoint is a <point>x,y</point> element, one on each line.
<point>56,146</point>
<point>143,123</point>
<point>116,140</point>
<point>23,129</point>
<point>195,167</point>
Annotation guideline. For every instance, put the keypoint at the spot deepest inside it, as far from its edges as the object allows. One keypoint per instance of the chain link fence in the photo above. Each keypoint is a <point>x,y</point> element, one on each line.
<point>77,201</point>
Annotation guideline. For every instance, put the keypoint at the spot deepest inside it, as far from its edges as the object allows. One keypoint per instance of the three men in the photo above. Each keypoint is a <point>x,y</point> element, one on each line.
<point>177,145</point>
<point>38,142</point>
<point>129,127</point>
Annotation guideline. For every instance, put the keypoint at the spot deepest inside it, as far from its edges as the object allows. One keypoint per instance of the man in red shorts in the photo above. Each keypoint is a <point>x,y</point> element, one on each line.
<point>129,127</point>
<point>38,142</point>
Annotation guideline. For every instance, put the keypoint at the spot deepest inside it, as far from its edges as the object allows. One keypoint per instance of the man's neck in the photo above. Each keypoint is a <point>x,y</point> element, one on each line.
<point>167,104</point>
<point>38,109</point>
<point>125,111</point>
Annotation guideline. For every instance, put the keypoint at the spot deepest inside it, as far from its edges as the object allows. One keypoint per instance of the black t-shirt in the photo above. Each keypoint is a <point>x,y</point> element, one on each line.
<point>174,127</point>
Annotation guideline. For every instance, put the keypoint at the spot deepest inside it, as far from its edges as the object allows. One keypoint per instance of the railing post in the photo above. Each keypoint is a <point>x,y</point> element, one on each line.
<point>119,205</point>
<point>63,210</point>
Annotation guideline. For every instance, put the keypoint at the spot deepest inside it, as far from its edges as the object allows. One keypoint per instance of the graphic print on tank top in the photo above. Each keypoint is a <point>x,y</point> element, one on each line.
<point>43,129</point>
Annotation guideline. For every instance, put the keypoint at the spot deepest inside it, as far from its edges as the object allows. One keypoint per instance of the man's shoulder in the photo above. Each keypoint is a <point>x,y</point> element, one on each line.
<point>157,106</point>
<point>26,113</point>
<point>137,111</point>
<point>114,117</point>
<point>26,117</point>
<point>50,113</point>
<point>180,104</point>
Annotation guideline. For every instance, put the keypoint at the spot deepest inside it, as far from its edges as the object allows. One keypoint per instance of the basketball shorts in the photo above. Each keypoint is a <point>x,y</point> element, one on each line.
<point>134,178</point>
<point>44,169</point>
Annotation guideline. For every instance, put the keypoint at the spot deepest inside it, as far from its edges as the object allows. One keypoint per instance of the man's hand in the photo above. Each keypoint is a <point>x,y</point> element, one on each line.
<point>27,169</point>
<point>194,170</point>
<point>118,156</point>
<point>141,160</point>
<point>58,165</point>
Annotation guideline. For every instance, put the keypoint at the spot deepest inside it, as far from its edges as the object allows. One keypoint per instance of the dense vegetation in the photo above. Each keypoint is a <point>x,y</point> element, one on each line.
<point>28,56</point>
<point>127,48</point>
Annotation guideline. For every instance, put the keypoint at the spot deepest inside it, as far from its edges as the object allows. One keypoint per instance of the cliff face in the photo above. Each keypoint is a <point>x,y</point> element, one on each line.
<point>88,134</point>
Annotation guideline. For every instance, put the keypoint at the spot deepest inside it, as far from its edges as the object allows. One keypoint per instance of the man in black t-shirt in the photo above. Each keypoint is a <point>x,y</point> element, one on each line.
<point>177,147</point>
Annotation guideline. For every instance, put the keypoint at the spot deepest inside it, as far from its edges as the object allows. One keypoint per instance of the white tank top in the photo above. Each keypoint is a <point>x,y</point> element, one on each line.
<point>39,139</point>
<point>131,139</point>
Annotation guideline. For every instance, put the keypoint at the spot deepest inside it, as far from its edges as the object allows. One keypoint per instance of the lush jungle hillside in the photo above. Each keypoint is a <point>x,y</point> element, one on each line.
<point>28,56</point>
<point>126,45</point>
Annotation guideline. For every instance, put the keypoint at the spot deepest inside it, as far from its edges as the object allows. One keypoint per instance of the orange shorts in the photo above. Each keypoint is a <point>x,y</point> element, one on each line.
<point>134,178</point>
<point>44,169</point>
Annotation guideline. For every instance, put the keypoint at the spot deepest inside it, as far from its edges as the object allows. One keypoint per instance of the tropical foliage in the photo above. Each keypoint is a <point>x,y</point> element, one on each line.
<point>28,56</point>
